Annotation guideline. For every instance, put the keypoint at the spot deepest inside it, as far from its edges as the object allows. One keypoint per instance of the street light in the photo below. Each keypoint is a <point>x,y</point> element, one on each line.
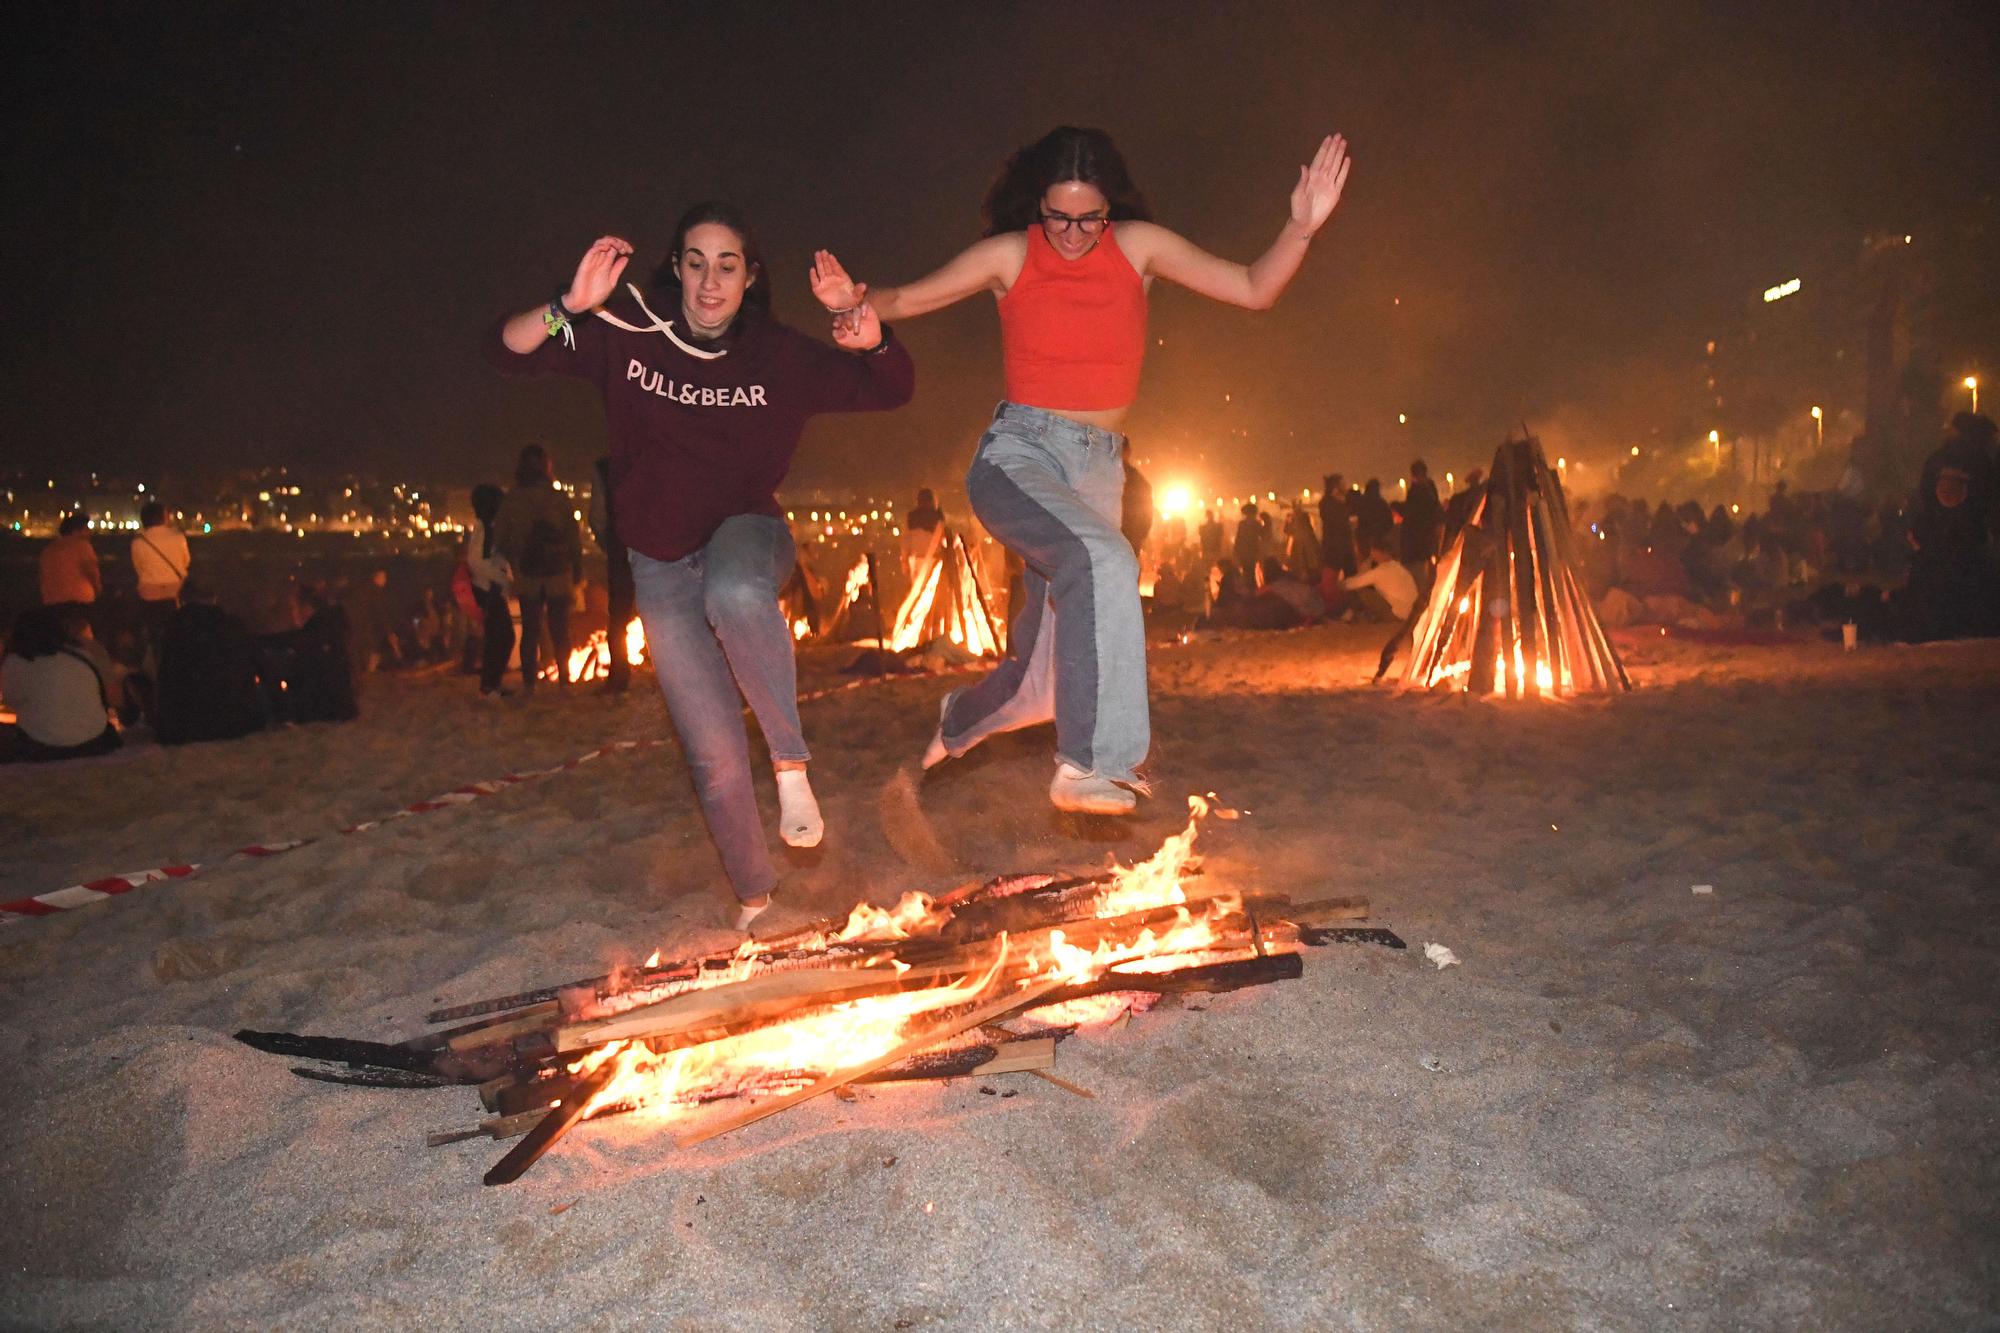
<point>1972,383</point>
<point>1819,426</point>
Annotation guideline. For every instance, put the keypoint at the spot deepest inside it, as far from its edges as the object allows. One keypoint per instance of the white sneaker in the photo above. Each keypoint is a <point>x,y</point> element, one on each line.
<point>1082,793</point>
<point>935,753</point>
<point>745,914</point>
<point>799,822</point>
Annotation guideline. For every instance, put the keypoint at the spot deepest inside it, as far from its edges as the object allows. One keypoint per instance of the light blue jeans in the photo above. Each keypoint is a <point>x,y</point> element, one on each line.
<point>714,628</point>
<point>1049,488</point>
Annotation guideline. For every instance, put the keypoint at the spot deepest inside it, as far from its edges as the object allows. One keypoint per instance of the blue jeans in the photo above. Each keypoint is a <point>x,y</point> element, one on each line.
<point>713,628</point>
<point>1049,488</point>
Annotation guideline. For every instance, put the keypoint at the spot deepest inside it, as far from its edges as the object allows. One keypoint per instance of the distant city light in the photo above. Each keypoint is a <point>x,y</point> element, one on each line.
<point>1781,291</point>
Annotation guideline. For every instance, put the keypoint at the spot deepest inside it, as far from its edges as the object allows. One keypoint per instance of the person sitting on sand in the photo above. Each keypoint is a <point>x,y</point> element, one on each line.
<point>1385,591</point>
<point>59,699</point>
<point>705,409</point>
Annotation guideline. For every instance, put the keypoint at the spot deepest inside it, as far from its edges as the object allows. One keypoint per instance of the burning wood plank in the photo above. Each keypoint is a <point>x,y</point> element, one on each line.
<point>891,993</point>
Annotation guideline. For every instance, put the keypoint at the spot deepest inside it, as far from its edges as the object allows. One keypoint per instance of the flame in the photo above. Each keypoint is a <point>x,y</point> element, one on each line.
<point>792,1051</point>
<point>801,627</point>
<point>593,659</point>
<point>868,922</point>
<point>1156,881</point>
<point>770,1058</point>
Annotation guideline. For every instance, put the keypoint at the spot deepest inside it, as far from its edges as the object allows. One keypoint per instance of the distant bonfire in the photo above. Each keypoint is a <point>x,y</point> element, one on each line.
<point>946,602</point>
<point>1509,614</point>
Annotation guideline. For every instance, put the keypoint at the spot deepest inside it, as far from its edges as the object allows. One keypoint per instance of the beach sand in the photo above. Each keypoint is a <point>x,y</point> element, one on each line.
<point>1630,1105</point>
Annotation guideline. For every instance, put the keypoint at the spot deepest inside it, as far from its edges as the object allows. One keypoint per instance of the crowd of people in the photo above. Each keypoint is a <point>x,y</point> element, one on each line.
<point>1914,567</point>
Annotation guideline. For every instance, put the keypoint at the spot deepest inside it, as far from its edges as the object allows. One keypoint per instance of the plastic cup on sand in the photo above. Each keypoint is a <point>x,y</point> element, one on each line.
<point>1850,636</point>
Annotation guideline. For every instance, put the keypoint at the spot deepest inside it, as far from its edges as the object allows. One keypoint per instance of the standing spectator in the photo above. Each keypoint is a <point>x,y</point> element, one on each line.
<point>160,560</point>
<point>1336,527</point>
<point>70,574</point>
<point>618,578</point>
<point>1374,522</point>
<point>1210,534</point>
<point>491,578</point>
<point>1463,505</point>
<point>922,530</point>
<point>1249,543</point>
<point>1423,519</point>
<point>1301,544</point>
<point>1135,509</point>
<point>536,530</point>
<point>56,693</point>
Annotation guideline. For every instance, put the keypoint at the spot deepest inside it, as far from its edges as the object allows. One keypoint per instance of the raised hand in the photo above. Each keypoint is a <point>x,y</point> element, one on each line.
<point>858,331</point>
<point>1320,184</point>
<point>830,283</point>
<point>597,274</point>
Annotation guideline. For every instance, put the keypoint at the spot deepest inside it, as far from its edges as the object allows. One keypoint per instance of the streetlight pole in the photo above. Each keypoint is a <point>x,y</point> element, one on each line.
<point>1819,426</point>
<point>1972,383</point>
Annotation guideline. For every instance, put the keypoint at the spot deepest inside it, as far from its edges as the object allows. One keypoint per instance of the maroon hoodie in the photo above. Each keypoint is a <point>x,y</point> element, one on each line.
<point>702,432</point>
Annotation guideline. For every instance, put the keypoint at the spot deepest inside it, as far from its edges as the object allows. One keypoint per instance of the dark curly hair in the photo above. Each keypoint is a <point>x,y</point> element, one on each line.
<point>756,297</point>
<point>1065,153</point>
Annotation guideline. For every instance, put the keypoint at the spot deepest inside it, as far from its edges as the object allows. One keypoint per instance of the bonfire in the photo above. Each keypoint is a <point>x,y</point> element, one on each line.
<point>1508,613</point>
<point>922,990</point>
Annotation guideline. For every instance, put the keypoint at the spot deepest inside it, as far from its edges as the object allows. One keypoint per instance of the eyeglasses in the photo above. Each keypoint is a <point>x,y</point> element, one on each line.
<point>1089,226</point>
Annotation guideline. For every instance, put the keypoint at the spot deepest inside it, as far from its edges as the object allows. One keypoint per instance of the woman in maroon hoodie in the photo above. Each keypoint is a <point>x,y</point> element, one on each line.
<point>705,401</point>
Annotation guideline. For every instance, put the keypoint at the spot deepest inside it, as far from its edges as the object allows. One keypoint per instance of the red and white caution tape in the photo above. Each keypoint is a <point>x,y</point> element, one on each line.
<point>97,890</point>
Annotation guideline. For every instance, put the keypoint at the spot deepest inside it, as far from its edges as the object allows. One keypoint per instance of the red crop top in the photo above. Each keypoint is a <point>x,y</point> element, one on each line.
<point>1073,331</point>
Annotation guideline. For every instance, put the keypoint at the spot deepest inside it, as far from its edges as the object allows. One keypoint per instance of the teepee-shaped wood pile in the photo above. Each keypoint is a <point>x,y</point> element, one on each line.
<point>946,602</point>
<point>1508,613</point>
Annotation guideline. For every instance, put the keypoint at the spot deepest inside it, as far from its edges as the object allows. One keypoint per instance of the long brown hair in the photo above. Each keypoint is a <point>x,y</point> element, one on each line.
<point>1065,153</point>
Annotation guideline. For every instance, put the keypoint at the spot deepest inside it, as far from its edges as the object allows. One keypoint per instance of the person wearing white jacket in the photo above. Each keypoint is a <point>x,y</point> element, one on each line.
<point>492,576</point>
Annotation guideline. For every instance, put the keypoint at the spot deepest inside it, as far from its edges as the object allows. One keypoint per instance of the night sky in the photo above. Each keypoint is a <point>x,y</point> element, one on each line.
<point>275,233</point>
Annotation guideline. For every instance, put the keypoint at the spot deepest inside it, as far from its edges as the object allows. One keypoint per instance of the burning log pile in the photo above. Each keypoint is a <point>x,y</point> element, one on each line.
<point>919,991</point>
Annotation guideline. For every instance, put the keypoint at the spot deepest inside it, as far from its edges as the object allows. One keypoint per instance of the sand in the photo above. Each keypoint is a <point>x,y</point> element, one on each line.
<point>1629,1105</point>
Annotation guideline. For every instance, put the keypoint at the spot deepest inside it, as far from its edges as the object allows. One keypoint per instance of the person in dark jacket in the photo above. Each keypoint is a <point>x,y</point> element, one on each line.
<point>1374,521</point>
<point>207,689</point>
<point>1336,527</point>
<point>1423,519</point>
<point>617,579</point>
<point>536,530</point>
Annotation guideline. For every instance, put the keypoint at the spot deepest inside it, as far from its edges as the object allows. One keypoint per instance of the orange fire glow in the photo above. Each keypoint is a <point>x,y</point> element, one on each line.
<point>593,660</point>
<point>790,1052</point>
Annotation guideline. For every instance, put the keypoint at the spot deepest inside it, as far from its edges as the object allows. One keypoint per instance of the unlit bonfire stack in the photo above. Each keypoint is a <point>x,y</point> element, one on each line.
<point>1509,613</point>
<point>981,981</point>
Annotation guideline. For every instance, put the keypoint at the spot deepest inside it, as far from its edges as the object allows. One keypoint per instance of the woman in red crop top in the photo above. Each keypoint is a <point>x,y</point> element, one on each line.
<point>1069,252</point>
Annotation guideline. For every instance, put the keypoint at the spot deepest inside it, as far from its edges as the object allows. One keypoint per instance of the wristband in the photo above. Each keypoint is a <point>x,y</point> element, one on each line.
<point>556,320</point>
